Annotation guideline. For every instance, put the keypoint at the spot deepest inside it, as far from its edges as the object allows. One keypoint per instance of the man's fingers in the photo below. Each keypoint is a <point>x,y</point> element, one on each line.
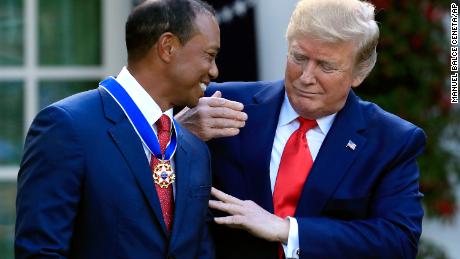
<point>217,94</point>
<point>222,102</point>
<point>230,208</point>
<point>221,133</point>
<point>228,113</point>
<point>182,112</point>
<point>223,123</point>
<point>230,221</point>
<point>222,196</point>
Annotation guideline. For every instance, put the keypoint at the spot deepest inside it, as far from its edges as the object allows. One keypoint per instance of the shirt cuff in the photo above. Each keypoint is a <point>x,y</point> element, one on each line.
<point>291,249</point>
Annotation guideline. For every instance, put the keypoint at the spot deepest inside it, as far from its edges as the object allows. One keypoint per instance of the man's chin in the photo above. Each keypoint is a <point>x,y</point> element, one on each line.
<point>307,112</point>
<point>193,103</point>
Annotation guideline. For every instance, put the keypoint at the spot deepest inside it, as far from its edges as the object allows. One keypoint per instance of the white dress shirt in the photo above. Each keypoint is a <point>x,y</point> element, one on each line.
<point>287,124</point>
<point>148,107</point>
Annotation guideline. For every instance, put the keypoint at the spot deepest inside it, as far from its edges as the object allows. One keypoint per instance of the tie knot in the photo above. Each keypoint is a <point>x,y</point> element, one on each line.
<point>163,123</point>
<point>306,124</point>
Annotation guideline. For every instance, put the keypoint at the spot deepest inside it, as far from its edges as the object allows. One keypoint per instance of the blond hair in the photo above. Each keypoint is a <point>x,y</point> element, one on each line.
<point>339,21</point>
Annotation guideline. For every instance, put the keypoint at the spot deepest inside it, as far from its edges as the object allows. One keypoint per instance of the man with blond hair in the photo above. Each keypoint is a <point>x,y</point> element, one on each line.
<point>306,163</point>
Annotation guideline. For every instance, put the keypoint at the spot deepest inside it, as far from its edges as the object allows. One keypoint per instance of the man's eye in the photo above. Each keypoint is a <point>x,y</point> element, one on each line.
<point>210,56</point>
<point>328,68</point>
<point>299,58</point>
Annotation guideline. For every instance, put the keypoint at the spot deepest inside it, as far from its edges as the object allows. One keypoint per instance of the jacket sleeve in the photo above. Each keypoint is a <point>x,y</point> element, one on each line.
<point>207,250</point>
<point>393,227</point>
<point>207,246</point>
<point>49,183</point>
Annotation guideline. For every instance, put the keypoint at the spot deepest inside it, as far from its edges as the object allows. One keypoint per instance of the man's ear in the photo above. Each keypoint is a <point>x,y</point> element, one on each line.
<point>167,46</point>
<point>357,80</point>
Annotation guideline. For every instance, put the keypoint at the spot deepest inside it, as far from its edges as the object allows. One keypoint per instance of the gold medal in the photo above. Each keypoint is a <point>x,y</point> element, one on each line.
<point>163,174</point>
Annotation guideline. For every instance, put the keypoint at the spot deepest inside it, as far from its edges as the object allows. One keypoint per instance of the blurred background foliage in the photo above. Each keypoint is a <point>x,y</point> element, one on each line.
<point>412,80</point>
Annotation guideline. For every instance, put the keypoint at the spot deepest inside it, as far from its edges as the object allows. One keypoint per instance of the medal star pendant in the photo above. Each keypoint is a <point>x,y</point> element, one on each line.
<point>163,174</point>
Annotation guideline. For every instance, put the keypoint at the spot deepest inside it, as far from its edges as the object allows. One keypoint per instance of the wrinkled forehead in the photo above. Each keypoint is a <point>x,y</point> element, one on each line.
<point>341,52</point>
<point>303,41</point>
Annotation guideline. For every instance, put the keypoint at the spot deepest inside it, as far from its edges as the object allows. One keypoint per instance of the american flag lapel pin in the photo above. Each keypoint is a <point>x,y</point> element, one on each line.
<point>351,145</point>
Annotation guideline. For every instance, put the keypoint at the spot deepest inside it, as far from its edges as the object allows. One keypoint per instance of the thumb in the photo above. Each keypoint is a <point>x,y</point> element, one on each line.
<point>217,94</point>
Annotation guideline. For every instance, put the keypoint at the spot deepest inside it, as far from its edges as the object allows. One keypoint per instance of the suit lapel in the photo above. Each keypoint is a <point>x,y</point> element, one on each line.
<point>182,169</point>
<point>130,146</point>
<point>257,141</point>
<point>334,159</point>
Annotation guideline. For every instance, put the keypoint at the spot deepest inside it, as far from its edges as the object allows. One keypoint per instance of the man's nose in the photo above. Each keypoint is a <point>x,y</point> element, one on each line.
<point>308,73</point>
<point>214,71</point>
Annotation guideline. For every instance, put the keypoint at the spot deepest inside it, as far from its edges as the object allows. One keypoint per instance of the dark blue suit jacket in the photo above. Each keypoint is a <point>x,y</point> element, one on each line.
<point>362,203</point>
<point>85,189</point>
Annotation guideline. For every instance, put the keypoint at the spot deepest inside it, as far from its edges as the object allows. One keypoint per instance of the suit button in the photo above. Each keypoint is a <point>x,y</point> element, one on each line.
<point>297,252</point>
<point>171,257</point>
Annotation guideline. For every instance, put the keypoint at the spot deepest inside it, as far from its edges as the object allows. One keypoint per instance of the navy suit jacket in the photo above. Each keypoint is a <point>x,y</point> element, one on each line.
<point>85,189</point>
<point>361,203</point>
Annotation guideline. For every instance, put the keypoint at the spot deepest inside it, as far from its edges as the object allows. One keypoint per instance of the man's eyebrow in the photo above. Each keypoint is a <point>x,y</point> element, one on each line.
<point>294,49</point>
<point>215,48</point>
<point>331,62</point>
<point>327,62</point>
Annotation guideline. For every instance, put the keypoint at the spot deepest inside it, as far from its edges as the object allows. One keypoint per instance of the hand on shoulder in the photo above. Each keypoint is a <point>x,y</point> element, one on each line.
<point>213,117</point>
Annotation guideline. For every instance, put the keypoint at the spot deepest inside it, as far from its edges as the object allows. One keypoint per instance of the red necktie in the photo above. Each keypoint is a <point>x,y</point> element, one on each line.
<point>295,165</point>
<point>164,194</point>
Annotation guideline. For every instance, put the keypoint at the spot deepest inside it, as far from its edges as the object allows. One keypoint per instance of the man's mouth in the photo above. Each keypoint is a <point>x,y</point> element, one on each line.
<point>305,92</point>
<point>203,86</point>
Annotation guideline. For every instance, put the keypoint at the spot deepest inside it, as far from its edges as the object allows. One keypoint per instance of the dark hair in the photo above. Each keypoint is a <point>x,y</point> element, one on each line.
<point>149,20</point>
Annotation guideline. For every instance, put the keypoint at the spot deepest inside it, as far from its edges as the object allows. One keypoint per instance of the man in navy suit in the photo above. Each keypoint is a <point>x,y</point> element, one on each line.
<point>313,168</point>
<point>106,173</point>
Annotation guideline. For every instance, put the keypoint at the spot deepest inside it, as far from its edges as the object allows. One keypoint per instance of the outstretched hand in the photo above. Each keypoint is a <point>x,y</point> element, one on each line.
<point>249,216</point>
<point>213,117</point>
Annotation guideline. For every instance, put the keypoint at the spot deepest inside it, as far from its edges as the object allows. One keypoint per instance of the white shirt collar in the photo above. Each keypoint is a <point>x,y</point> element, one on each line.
<point>288,115</point>
<point>149,108</point>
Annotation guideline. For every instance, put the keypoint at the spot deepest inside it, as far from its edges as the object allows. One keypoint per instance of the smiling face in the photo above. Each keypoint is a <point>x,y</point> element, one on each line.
<point>319,76</point>
<point>194,62</point>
